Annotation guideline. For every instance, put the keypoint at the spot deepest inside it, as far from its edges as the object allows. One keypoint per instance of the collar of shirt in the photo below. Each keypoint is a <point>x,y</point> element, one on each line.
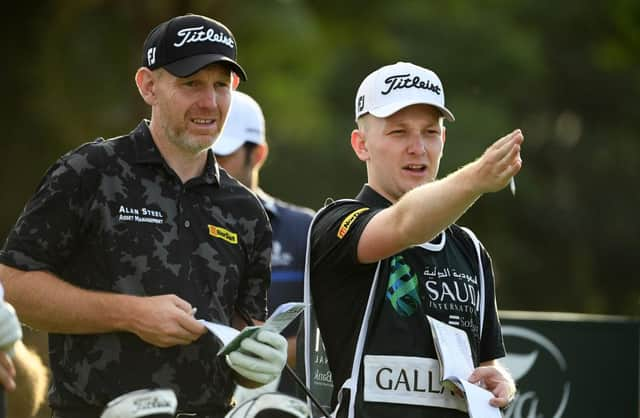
<point>371,198</point>
<point>147,152</point>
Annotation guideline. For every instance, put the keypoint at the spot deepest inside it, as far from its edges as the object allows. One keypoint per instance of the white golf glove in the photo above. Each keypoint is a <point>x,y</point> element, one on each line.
<point>10,328</point>
<point>261,359</point>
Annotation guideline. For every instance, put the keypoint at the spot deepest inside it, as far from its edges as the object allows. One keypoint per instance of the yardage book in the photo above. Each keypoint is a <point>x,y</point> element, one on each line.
<point>278,321</point>
<point>456,365</point>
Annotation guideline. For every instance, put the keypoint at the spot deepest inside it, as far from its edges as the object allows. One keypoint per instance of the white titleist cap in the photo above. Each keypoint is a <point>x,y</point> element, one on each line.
<point>271,405</point>
<point>245,123</point>
<point>394,87</point>
<point>142,403</point>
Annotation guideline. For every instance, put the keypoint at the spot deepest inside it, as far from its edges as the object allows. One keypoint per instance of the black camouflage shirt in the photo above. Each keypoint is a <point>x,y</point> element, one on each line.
<point>112,216</point>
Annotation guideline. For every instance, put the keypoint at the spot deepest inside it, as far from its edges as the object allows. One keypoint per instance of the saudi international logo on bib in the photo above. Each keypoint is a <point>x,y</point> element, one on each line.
<point>402,289</point>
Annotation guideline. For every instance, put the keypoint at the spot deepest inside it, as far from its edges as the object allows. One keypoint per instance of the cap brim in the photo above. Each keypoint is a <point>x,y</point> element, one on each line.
<point>224,146</point>
<point>390,109</point>
<point>190,65</point>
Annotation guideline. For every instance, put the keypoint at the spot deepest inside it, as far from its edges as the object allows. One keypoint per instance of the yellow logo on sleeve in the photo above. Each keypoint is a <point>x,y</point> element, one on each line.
<point>225,234</point>
<point>348,221</point>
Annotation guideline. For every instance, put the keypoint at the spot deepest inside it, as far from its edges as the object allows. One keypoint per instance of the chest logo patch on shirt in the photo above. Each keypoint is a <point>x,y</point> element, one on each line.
<point>402,288</point>
<point>140,215</point>
<point>348,221</point>
<point>225,234</point>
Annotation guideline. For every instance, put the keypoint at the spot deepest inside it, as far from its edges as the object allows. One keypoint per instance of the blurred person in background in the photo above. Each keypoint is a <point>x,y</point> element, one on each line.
<point>242,150</point>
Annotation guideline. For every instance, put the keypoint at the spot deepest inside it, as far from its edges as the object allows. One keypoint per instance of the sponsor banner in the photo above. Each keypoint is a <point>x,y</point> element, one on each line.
<point>572,365</point>
<point>408,381</point>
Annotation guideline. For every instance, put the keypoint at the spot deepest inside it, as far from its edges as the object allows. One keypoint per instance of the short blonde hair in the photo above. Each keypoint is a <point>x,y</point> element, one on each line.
<point>363,122</point>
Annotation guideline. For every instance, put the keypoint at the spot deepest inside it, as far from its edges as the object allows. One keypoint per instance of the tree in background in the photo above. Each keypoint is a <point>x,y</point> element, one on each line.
<point>567,76</point>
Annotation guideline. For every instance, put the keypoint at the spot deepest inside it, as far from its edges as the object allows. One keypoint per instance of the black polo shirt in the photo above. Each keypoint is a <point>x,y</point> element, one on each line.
<point>445,273</point>
<point>112,216</point>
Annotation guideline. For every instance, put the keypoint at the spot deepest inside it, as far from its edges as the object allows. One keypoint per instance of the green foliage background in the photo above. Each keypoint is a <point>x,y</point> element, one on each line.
<point>565,72</point>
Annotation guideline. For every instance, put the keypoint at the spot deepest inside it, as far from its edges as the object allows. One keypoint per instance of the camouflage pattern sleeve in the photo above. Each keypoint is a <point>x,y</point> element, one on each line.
<point>252,292</point>
<point>47,231</point>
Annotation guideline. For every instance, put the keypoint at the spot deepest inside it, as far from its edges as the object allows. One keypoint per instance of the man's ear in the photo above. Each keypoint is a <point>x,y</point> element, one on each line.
<point>259,155</point>
<point>146,82</point>
<point>359,144</point>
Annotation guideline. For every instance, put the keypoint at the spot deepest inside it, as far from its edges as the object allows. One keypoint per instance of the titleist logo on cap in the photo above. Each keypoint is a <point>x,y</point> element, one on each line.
<point>197,34</point>
<point>186,44</point>
<point>391,88</point>
<point>405,81</point>
<point>150,402</point>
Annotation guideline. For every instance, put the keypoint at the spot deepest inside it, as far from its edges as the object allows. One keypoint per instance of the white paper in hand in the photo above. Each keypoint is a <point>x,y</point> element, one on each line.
<point>277,322</point>
<point>454,351</point>
<point>456,365</point>
<point>478,401</point>
<point>283,315</point>
<point>225,333</point>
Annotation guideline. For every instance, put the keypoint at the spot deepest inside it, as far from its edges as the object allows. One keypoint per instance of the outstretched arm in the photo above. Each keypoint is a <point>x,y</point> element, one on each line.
<point>428,209</point>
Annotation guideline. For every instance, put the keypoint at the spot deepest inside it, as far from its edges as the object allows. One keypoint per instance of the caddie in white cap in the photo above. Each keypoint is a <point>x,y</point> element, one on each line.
<point>385,263</point>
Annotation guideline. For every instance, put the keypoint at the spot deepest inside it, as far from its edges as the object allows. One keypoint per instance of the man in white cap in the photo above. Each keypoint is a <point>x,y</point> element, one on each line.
<point>382,263</point>
<point>242,150</point>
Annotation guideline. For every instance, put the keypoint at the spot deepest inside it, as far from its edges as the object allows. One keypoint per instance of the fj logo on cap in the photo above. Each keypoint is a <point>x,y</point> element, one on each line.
<point>360,103</point>
<point>197,34</point>
<point>151,55</point>
<point>405,81</point>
